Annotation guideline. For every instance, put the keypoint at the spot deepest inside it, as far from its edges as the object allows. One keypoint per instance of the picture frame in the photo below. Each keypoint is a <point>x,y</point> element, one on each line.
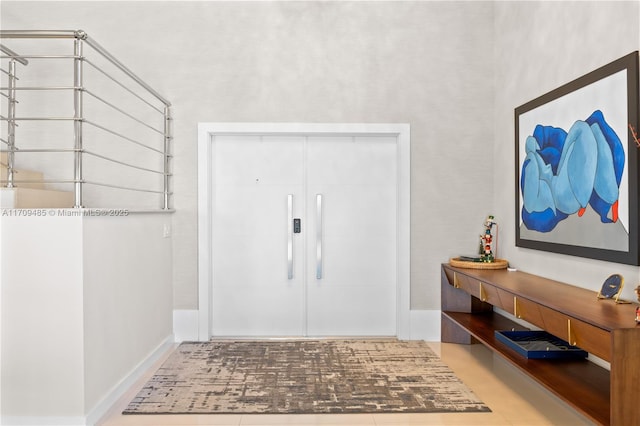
<point>576,164</point>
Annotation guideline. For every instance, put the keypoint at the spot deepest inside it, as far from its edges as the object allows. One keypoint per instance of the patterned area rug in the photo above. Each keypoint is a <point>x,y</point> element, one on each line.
<point>304,376</point>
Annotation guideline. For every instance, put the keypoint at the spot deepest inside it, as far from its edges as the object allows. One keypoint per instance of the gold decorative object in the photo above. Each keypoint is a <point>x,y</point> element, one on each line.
<point>496,264</point>
<point>612,287</point>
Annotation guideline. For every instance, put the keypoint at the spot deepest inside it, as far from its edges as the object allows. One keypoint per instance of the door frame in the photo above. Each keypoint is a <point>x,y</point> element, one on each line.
<point>206,133</point>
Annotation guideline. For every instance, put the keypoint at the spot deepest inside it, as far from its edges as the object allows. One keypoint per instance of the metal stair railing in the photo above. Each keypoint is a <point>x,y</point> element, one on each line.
<point>112,71</point>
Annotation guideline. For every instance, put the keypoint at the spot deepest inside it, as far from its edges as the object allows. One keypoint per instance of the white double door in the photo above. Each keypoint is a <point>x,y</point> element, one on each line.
<point>337,275</point>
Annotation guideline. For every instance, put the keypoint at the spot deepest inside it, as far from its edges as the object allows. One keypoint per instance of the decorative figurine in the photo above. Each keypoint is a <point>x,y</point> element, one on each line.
<point>486,254</point>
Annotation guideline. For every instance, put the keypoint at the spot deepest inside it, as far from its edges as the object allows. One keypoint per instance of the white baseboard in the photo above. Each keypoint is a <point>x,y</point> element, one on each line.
<point>185,325</point>
<point>42,421</point>
<point>103,407</point>
<point>425,325</point>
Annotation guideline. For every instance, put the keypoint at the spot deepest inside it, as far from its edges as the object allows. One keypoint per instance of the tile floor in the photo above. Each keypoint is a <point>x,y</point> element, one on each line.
<point>514,398</point>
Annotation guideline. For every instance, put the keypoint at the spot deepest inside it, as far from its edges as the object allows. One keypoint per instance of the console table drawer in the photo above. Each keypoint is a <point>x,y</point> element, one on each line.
<point>555,322</point>
<point>530,312</point>
<point>590,338</point>
<point>485,292</point>
<point>468,284</point>
<point>552,321</point>
<point>497,297</point>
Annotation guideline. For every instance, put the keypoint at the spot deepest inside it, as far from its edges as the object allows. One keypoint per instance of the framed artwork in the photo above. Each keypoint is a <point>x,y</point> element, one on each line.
<point>577,166</point>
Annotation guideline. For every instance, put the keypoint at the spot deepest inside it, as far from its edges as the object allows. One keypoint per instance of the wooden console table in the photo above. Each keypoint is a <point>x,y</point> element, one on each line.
<point>601,327</point>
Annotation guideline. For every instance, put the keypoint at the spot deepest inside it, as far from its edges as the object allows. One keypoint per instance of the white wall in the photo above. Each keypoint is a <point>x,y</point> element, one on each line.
<point>85,300</point>
<point>128,296</point>
<point>540,46</point>
<point>42,317</point>
<point>429,64</point>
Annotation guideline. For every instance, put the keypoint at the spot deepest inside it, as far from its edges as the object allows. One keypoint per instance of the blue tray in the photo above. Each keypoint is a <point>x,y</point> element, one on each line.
<point>539,344</point>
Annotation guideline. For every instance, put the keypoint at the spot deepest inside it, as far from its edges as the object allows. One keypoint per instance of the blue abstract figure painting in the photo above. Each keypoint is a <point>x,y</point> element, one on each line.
<point>564,172</point>
<point>577,166</point>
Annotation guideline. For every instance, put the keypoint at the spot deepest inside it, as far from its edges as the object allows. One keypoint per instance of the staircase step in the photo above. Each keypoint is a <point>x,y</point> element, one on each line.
<point>34,198</point>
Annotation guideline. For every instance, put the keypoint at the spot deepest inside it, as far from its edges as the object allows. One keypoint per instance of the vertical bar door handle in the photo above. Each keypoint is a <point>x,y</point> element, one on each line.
<point>319,236</point>
<point>290,236</point>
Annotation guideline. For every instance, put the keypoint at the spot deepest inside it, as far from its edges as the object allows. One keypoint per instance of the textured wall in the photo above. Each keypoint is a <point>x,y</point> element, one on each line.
<point>424,63</point>
<point>540,46</point>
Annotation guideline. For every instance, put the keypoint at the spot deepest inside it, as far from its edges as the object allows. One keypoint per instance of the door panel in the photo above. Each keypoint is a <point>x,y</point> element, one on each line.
<point>252,294</point>
<point>357,292</point>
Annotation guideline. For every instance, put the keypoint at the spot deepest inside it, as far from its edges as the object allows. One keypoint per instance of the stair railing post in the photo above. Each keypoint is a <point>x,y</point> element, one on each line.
<point>77,115</point>
<point>11,123</point>
<point>167,157</point>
